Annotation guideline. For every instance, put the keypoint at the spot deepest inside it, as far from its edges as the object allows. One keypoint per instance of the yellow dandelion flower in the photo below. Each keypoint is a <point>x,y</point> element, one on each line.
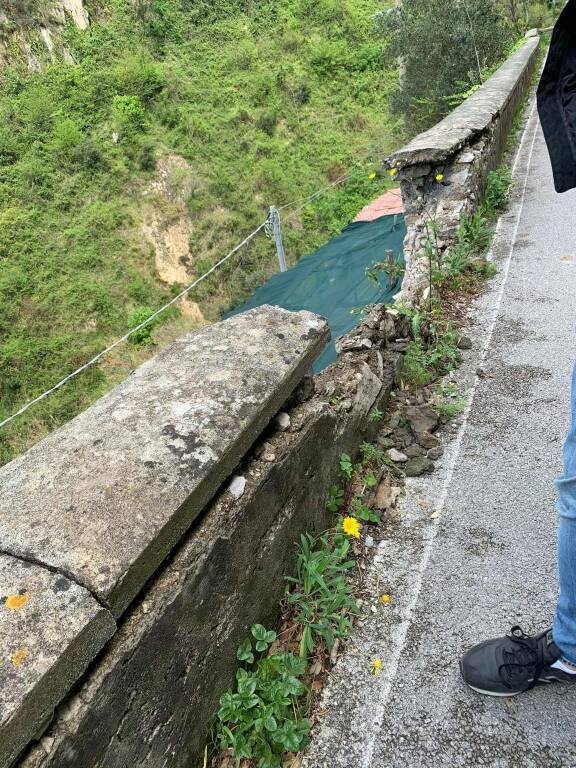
<point>385,599</point>
<point>376,667</point>
<point>19,657</point>
<point>439,176</point>
<point>372,175</point>
<point>16,602</point>
<point>393,172</point>
<point>351,527</point>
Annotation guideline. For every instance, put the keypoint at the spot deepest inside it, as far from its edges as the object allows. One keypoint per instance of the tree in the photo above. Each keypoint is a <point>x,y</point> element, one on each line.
<point>446,47</point>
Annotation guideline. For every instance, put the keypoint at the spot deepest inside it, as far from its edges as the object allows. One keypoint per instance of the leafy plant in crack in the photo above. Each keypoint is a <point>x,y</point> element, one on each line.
<point>323,598</point>
<point>376,415</point>
<point>449,410</point>
<point>370,453</point>
<point>335,499</point>
<point>359,509</point>
<point>424,362</point>
<point>346,466</point>
<point>261,719</point>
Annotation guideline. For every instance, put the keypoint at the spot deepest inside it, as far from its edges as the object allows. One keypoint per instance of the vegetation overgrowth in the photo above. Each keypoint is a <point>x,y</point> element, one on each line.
<point>448,48</point>
<point>266,101</point>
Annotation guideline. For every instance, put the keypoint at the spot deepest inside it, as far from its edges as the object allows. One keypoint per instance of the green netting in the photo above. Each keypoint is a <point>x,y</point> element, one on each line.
<point>332,281</point>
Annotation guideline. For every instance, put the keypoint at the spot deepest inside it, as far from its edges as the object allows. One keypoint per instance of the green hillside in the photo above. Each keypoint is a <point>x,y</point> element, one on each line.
<point>265,101</point>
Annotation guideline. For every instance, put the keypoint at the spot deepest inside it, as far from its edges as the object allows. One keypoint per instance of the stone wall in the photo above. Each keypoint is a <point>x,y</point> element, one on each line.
<point>463,148</point>
<point>141,540</point>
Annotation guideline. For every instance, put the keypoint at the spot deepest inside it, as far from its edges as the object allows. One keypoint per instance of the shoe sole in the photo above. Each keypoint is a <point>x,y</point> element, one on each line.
<point>542,681</point>
<point>493,693</point>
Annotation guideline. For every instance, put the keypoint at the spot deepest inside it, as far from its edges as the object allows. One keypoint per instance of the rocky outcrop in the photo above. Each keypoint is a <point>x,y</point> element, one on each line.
<point>167,227</point>
<point>30,31</point>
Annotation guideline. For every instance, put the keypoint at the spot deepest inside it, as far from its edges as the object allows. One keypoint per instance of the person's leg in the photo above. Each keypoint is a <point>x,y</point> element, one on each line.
<point>564,630</point>
<point>515,663</point>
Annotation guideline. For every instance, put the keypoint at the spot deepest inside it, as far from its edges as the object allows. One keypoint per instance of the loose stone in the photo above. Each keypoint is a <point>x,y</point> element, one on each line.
<point>413,450</point>
<point>428,441</point>
<point>419,466</point>
<point>422,418</point>
<point>237,486</point>
<point>282,422</point>
<point>397,456</point>
<point>402,437</point>
<point>386,495</point>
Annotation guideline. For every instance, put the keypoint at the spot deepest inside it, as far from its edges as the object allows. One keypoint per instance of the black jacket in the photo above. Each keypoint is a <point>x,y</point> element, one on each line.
<point>557,100</point>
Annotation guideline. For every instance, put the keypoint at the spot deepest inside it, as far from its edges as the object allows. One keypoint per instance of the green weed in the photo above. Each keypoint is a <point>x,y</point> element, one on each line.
<point>320,592</point>
<point>425,362</point>
<point>449,410</point>
<point>335,499</point>
<point>261,719</point>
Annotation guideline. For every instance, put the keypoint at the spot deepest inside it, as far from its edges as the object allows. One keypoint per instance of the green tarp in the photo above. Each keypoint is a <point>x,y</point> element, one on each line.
<point>332,281</point>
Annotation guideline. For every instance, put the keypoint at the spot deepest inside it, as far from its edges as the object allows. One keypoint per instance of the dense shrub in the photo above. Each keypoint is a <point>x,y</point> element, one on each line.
<point>445,46</point>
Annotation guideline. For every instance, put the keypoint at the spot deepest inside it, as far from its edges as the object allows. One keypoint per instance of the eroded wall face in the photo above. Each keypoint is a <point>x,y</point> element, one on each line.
<point>148,698</point>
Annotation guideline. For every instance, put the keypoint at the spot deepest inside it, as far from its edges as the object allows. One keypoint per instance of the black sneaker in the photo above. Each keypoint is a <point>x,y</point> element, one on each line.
<point>512,664</point>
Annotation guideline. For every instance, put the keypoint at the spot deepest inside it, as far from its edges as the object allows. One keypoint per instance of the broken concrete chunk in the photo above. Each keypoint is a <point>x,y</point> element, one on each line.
<point>107,496</point>
<point>352,343</point>
<point>422,418</point>
<point>50,630</point>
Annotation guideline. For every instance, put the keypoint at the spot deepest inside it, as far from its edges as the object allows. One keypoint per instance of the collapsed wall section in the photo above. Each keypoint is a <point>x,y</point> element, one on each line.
<point>443,171</point>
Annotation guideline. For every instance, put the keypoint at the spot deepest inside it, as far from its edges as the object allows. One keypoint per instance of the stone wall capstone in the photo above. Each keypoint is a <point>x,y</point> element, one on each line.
<point>89,514</point>
<point>148,697</point>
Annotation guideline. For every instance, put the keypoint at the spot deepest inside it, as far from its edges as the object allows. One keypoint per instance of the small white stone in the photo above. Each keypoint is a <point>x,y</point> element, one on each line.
<point>269,457</point>
<point>47,744</point>
<point>369,541</point>
<point>282,422</point>
<point>397,456</point>
<point>237,486</point>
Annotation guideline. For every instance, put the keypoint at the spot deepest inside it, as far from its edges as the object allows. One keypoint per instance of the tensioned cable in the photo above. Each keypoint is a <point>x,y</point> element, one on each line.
<point>303,202</point>
<point>300,203</point>
<point>132,330</point>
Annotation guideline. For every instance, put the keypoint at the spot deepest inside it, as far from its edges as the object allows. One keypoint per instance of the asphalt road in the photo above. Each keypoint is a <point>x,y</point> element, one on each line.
<point>473,550</point>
